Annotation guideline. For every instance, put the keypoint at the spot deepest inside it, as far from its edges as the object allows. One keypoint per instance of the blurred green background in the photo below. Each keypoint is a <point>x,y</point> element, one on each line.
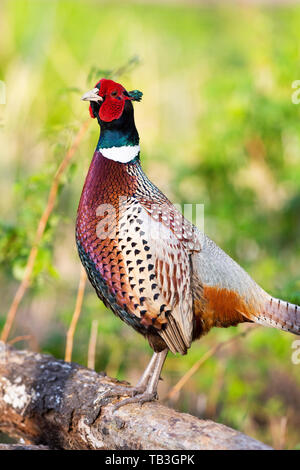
<point>217,126</point>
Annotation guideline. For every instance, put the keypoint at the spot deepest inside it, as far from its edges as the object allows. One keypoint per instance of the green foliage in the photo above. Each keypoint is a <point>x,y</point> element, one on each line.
<point>217,126</point>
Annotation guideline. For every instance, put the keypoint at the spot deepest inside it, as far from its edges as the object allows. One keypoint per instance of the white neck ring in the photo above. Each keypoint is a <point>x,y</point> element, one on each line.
<point>123,154</point>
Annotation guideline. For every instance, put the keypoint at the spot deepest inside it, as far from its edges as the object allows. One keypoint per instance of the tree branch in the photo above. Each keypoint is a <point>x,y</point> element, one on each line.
<point>62,405</point>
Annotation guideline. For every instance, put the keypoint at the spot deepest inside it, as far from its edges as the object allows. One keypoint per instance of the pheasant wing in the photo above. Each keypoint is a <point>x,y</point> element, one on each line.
<point>157,258</point>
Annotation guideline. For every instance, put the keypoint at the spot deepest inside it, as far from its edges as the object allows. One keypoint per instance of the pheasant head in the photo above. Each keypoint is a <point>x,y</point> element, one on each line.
<point>112,105</point>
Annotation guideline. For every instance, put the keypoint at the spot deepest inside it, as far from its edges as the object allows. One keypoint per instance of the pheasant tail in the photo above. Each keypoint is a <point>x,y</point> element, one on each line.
<point>280,314</point>
<point>225,295</point>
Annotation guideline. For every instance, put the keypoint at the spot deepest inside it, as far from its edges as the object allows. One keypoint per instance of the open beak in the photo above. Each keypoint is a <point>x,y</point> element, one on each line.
<point>92,95</point>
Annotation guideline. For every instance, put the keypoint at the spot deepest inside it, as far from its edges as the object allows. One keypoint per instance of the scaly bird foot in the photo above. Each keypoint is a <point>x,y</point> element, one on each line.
<point>121,390</point>
<point>141,399</point>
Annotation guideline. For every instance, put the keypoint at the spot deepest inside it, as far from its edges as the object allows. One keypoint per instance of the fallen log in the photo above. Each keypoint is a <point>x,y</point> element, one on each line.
<point>22,447</point>
<point>61,405</point>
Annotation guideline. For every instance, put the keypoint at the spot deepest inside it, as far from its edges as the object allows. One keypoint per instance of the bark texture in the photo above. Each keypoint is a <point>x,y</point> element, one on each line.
<point>61,405</point>
<point>22,447</point>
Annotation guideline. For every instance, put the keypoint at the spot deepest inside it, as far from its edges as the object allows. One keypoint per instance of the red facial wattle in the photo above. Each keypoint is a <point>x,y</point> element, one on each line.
<point>114,100</point>
<point>111,109</point>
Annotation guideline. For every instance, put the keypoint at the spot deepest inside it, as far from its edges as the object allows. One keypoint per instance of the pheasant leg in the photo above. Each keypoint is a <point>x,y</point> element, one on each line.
<point>140,386</point>
<point>151,378</point>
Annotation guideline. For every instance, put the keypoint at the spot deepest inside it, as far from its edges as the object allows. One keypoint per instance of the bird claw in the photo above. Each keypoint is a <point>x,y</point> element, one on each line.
<point>123,390</point>
<point>141,399</point>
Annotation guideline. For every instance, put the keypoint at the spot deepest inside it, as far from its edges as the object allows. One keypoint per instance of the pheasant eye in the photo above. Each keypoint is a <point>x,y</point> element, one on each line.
<point>114,93</point>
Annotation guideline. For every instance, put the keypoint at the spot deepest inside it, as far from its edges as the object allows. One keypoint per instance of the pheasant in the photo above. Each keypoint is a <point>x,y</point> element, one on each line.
<point>148,264</point>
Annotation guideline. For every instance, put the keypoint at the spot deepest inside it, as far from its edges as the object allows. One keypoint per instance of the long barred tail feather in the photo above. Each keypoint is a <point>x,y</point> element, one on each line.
<point>280,314</point>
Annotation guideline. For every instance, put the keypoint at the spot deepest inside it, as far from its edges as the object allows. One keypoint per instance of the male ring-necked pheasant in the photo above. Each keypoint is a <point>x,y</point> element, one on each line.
<point>149,265</point>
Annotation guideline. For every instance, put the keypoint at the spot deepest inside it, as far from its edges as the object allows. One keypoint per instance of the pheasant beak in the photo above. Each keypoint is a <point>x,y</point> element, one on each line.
<point>92,95</point>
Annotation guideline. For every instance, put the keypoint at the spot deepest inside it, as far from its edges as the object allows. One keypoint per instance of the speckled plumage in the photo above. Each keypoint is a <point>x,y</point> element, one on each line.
<point>152,267</point>
<point>138,273</point>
